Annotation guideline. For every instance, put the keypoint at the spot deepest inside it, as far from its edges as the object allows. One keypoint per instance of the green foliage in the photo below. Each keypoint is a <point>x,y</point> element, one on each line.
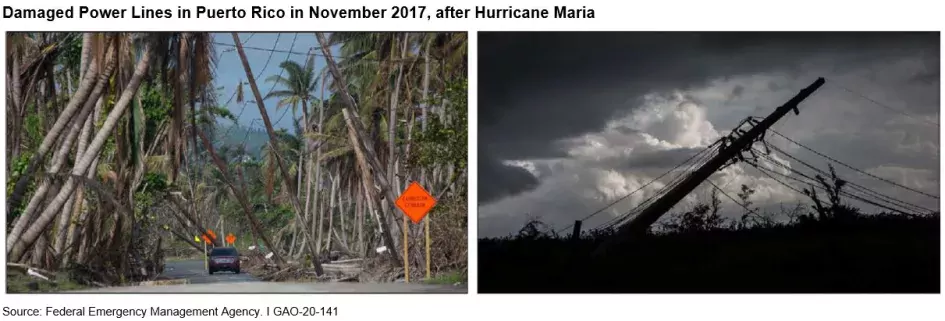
<point>155,183</point>
<point>136,130</point>
<point>19,283</point>
<point>33,128</point>
<point>17,167</point>
<point>70,54</point>
<point>153,186</point>
<point>445,143</point>
<point>155,102</point>
<point>448,278</point>
<point>279,215</point>
<point>221,112</point>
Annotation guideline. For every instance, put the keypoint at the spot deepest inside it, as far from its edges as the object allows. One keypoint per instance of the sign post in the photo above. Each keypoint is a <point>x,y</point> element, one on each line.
<point>426,234</point>
<point>230,239</point>
<point>415,202</point>
<point>208,238</point>
<point>206,264</point>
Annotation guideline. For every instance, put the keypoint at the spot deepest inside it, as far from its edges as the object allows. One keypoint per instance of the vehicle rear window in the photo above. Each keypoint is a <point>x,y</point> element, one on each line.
<point>223,252</point>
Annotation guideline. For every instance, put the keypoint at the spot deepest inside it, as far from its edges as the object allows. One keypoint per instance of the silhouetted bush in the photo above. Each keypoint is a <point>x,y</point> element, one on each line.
<point>835,249</point>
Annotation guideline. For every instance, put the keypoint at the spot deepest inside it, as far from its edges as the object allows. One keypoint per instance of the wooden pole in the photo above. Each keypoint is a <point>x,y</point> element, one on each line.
<point>206,260</point>
<point>576,233</point>
<point>406,254</point>
<point>426,231</point>
<point>641,223</point>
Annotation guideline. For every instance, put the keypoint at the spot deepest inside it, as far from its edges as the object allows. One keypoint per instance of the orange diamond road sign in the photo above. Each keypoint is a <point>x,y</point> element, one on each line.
<point>230,238</point>
<point>415,202</point>
<point>209,236</point>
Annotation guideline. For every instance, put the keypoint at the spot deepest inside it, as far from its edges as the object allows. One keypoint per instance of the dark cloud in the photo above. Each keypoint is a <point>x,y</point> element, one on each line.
<point>503,180</point>
<point>538,88</point>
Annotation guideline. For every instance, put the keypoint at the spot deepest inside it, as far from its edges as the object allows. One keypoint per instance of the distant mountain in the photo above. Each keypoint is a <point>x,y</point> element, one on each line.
<point>253,138</point>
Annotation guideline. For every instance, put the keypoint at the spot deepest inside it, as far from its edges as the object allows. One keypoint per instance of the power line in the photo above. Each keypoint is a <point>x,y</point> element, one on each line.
<point>851,167</point>
<point>273,50</point>
<point>313,52</point>
<point>235,90</point>
<point>641,187</point>
<point>814,182</point>
<point>751,211</point>
<point>232,47</point>
<point>276,82</point>
<point>705,155</point>
<point>877,103</point>
<point>856,186</point>
<point>844,193</point>
<point>659,193</point>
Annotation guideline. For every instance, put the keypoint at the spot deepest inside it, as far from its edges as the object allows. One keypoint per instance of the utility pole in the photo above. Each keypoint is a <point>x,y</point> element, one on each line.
<point>641,223</point>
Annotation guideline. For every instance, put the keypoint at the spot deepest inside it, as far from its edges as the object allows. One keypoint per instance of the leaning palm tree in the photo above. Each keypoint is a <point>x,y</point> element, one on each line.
<point>296,90</point>
<point>297,86</point>
<point>21,244</point>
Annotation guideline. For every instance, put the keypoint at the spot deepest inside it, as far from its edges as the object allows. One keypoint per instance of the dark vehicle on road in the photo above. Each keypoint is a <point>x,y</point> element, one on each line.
<point>223,259</point>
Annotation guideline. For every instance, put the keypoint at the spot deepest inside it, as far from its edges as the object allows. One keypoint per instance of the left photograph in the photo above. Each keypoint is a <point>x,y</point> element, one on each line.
<point>190,162</point>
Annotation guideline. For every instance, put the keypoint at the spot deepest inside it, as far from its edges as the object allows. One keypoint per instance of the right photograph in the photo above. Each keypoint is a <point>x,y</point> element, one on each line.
<point>708,162</point>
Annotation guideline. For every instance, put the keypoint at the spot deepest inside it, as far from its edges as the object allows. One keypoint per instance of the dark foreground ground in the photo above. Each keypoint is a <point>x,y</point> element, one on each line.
<point>869,255</point>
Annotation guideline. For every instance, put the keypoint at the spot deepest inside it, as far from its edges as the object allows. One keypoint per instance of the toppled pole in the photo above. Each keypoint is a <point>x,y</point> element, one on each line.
<point>641,223</point>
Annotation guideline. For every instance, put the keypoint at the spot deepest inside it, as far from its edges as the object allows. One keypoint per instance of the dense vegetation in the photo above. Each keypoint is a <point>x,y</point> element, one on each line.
<point>830,247</point>
<point>120,149</point>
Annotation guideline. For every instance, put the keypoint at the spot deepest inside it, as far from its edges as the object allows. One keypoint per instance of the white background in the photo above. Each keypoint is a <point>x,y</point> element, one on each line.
<point>610,15</point>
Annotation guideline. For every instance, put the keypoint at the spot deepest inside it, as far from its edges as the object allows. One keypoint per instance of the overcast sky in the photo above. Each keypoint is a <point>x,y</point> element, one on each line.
<point>569,122</point>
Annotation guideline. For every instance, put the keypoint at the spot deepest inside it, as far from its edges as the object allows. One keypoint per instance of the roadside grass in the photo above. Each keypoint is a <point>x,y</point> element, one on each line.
<point>447,278</point>
<point>19,283</point>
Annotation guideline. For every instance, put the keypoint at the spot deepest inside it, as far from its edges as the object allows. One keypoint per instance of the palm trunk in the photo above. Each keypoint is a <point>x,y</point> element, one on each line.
<point>295,236</point>
<point>331,210</point>
<point>58,160</point>
<point>78,100</point>
<point>320,208</point>
<point>273,140</point>
<point>318,158</point>
<point>355,130</point>
<point>301,165</point>
<point>16,249</point>
<point>392,120</point>
<point>68,213</point>
<point>93,97</point>
<point>16,91</point>
<point>308,176</point>
<point>368,182</point>
<point>423,129</point>
<point>341,209</point>
<point>39,252</point>
<point>84,216</point>
<point>76,212</point>
<point>85,56</point>
<point>359,218</point>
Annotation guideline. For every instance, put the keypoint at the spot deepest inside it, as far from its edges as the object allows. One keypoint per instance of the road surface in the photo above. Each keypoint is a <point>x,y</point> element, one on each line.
<point>193,278</point>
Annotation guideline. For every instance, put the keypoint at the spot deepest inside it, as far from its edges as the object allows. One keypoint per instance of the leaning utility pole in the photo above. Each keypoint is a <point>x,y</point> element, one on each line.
<point>639,224</point>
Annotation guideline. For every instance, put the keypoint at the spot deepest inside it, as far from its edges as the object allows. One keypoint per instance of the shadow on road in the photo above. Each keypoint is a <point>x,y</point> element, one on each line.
<point>195,272</point>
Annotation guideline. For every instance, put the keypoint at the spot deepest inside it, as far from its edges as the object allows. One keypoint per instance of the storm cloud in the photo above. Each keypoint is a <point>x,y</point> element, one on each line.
<point>569,121</point>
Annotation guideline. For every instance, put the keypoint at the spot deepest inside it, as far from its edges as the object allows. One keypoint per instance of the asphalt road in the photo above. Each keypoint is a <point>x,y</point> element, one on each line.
<point>195,279</point>
<point>194,272</point>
